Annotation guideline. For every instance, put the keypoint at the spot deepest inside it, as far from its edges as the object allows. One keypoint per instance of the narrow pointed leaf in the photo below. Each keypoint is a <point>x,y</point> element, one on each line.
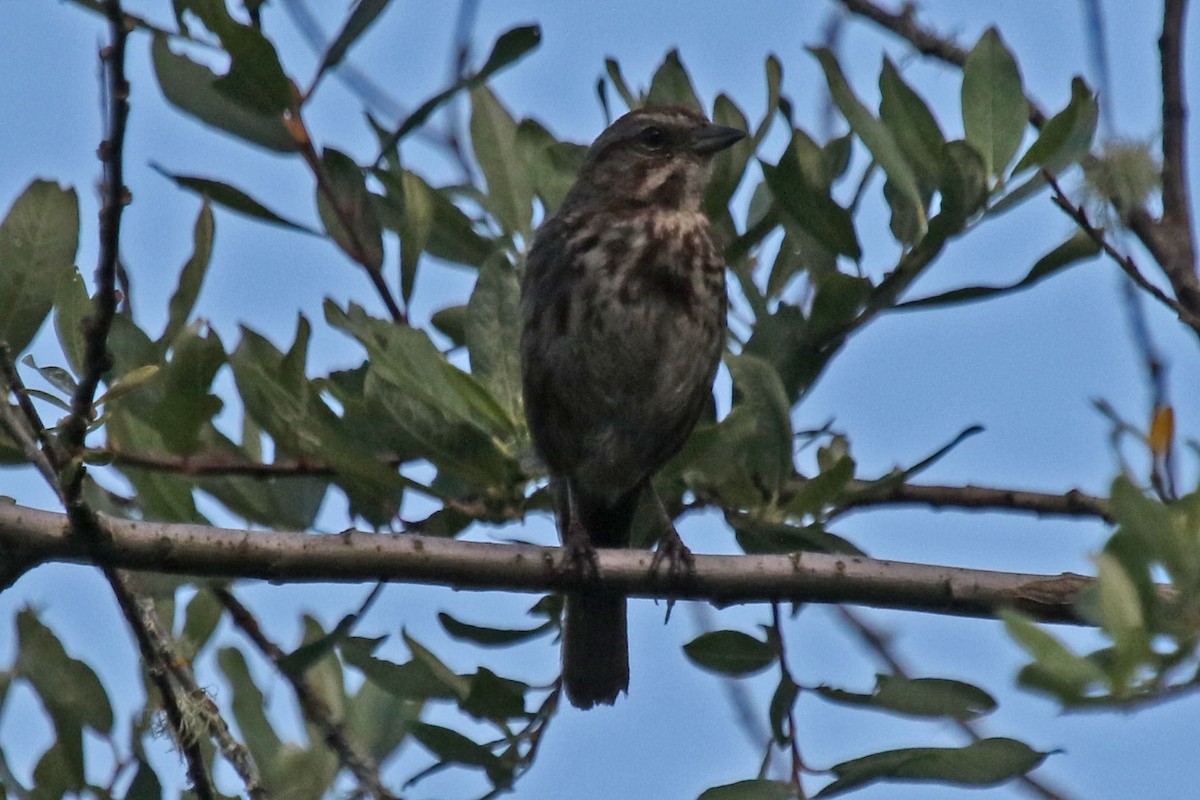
<point>191,277</point>
<point>730,653</point>
<point>364,14</point>
<point>232,198</point>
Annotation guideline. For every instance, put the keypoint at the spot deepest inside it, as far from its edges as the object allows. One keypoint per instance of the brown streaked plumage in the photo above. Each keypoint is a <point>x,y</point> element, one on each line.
<point>623,305</point>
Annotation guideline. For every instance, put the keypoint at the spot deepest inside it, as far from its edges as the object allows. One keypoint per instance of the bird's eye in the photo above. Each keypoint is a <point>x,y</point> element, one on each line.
<point>653,137</point>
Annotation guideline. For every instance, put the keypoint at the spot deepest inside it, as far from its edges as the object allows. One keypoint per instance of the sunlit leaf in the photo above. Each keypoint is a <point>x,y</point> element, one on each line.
<point>994,109</point>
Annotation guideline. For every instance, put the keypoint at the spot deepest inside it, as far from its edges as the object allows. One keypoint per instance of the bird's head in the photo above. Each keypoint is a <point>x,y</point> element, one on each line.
<point>657,156</point>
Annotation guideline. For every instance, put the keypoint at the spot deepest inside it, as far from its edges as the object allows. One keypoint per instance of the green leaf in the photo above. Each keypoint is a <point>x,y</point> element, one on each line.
<point>248,705</point>
<point>994,108</point>
<point>1080,246</point>
<point>613,70</point>
<point>232,198</point>
<point>730,653</point>
<point>1055,669</point>
<point>451,747</point>
<point>191,277</point>
<point>71,306</point>
<point>192,88</point>
<point>783,702</point>
<point>1067,136</point>
<point>348,211</point>
<point>757,789</point>
<point>255,80</point>
<point>70,691</point>
<point>982,763</point>
<point>963,189</point>
<point>200,620</point>
<point>489,637</point>
<point>920,697</point>
<point>876,136</point>
<point>551,165</point>
<point>38,240</point>
<point>364,14</point>
<point>451,234</point>
<point>810,207</point>
<point>760,536</point>
<point>509,48</point>
<point>671,85</point>
<point>493,334</point>
<point>316,648</point>
<point>412,680</point>
<point>728,166</point>
<point>494,698</point>
<point>279,397</point>
<point>759,395</point>
<point>380,721</point>
<point>145,784</point>
<point>57,377</point>
<point>913,127</point>
<point>494,139</point>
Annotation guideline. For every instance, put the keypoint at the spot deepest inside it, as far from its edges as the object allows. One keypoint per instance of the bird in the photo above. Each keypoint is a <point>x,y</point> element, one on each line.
<point>623,308</point>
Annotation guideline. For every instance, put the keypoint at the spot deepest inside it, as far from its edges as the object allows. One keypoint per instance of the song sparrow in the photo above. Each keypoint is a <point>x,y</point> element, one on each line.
<point>623,304</point>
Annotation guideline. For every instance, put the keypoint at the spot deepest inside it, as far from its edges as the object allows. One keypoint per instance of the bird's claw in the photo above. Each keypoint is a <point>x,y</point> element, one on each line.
<point>680,561</point>
<point>579,557</point>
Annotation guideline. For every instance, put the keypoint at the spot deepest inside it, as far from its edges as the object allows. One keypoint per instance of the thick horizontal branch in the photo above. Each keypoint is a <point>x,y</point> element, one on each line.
<point>32,536</point>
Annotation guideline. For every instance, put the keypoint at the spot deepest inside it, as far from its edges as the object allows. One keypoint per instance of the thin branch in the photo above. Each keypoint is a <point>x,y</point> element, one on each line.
<point>354,556</point>
<point>316,711</point>
<point>97,359</point>
<point>1125,262</point>
<point>878,643</point>
<point>143,633</point>
<point>859,493</point>
<point>1074,503</point>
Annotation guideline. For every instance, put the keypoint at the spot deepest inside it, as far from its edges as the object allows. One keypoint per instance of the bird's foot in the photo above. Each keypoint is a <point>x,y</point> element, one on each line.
<point>680,561</point>
<point>579,556</point>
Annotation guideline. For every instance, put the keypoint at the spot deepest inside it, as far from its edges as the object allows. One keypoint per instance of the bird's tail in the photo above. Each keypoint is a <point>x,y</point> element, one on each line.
<point>595,650</point>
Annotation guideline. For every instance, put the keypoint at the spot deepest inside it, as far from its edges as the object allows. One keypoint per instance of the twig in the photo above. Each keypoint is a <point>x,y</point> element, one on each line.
<point>315,709</point>
<point>97,360</point>
<point>185,739</point>
<point>354,556</point>
<point>869,494</point>
<point>878,644</point>
<point>786,674</point>
<point>1125,262</point>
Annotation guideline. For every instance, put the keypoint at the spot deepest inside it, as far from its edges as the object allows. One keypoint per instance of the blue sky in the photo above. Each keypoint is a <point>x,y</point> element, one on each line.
<point>1025,367</point>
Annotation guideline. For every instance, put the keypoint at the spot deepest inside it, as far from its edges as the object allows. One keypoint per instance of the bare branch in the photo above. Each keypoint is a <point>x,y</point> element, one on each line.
<point>115,196</point>
<point>316,711</point>
<point>1180,262</point>
<point>1074,503</point>
<point>860,493</point>
<point>1125,262</point>
<point>355,556</point>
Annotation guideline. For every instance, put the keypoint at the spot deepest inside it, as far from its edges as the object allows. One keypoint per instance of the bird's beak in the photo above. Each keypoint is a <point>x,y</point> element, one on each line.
<point>714,138</point>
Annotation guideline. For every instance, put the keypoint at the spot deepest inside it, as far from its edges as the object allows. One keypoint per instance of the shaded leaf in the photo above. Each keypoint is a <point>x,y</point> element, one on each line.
<point>912,125</point>
<point>232,198</point>
<point>493,331</point>
<point>495,698</point>
<point>921,697</point>
<point>982,763</point>
<point>1067,136</point>
<point>757,789</point>
<point>38,240</point>
<point>364,14</point>
<point>876,136</point>
<point>811,207</point>
<point>1056,669</point>
<point>192,88</point>
<point>348,211</point>
<point>486,636</point>
<point>730,653</point>
<point>191,277</point>
<point>759,536</point>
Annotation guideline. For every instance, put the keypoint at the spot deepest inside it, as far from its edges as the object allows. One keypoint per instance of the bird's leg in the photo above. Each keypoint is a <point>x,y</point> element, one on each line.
<point>579,555</point>
<point>680,561</point>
